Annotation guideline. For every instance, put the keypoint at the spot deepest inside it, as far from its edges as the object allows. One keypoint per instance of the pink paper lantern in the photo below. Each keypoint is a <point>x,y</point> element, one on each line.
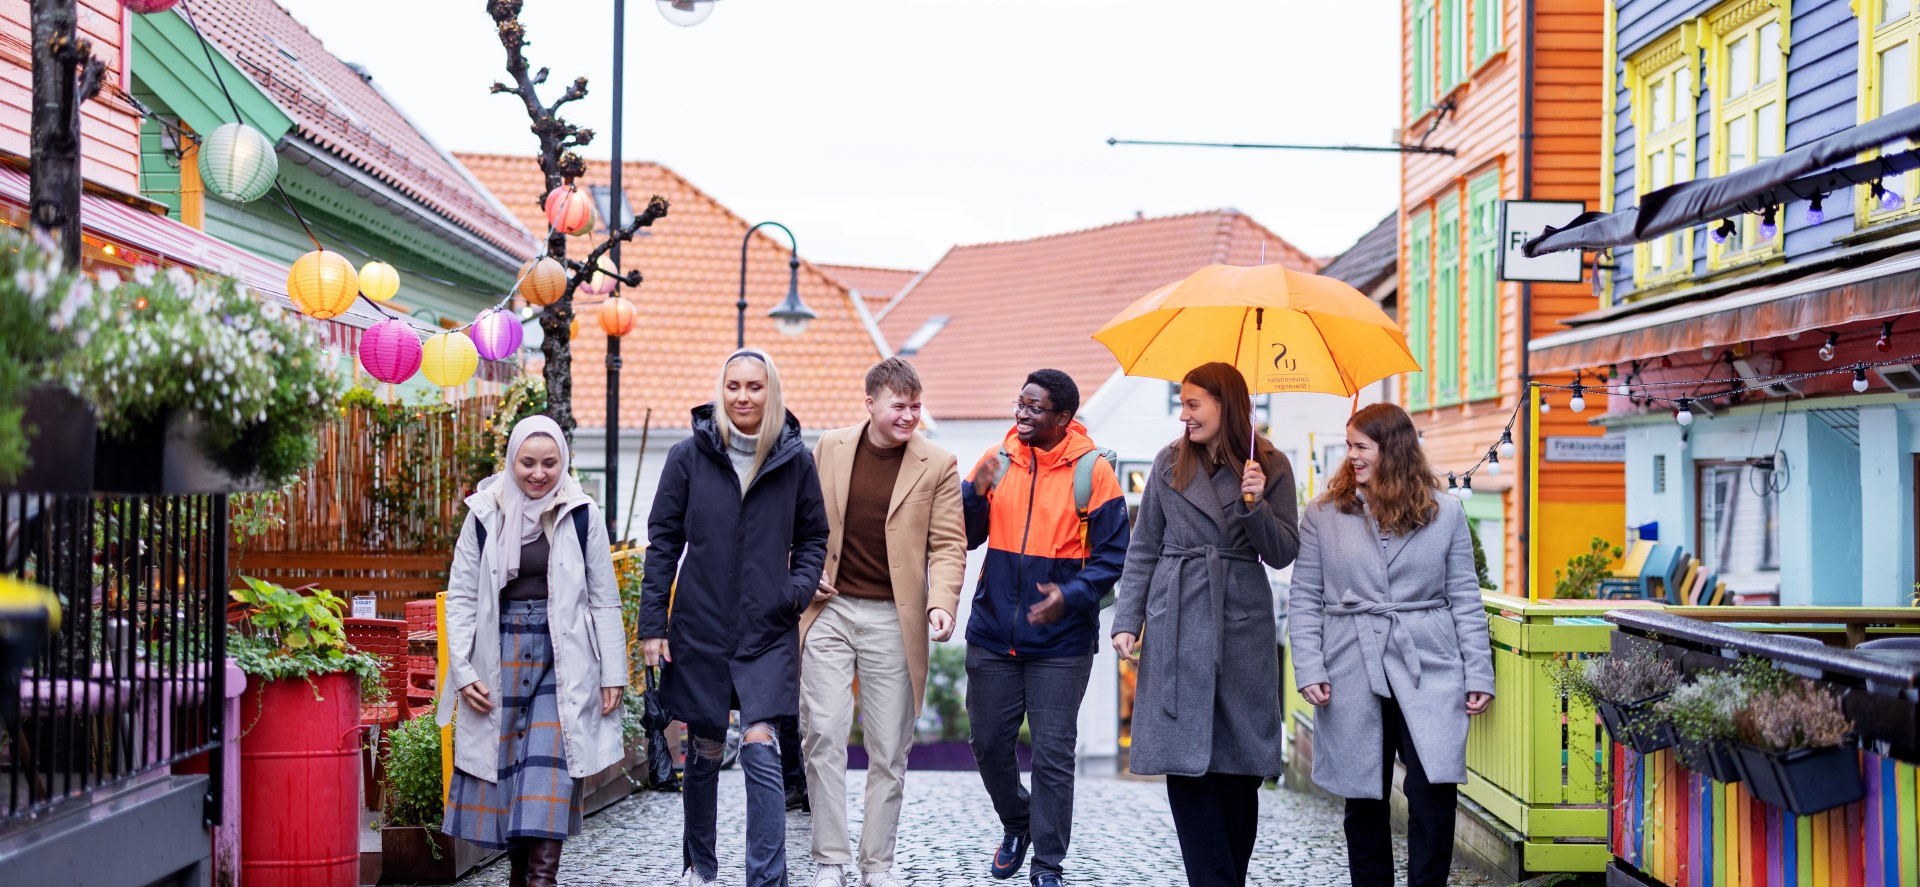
<point>148,7</point>
<point>496,334</point>
<point>390,351</point>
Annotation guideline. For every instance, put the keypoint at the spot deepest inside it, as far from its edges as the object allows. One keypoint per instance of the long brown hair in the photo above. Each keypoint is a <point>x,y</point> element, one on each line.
<point>1229,445</point>
<point>1401,492</point>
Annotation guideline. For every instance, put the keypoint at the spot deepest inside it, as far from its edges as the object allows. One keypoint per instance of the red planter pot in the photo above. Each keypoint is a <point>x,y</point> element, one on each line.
<point>299,777</point>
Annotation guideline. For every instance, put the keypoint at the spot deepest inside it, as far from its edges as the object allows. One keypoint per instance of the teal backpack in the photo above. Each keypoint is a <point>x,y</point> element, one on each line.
<point>1082,491</point>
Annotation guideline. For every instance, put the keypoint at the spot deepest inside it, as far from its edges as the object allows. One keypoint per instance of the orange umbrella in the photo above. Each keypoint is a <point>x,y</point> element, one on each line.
<point>1285,330</point>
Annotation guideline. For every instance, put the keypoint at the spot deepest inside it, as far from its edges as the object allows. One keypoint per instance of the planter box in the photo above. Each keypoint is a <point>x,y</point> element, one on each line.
<point>60,449</point>
<point>1712,759</point>
<point>1635,725</point>
<point>603,789</point>
<point>163,457</point>
<point>407,855</point>
<point>1803,781</point>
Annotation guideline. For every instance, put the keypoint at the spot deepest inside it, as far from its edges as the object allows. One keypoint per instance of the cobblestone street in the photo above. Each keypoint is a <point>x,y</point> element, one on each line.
<point>1122,835</point>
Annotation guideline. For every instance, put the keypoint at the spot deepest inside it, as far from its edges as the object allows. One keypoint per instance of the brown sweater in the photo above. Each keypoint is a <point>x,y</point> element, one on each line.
<point>863,550</point>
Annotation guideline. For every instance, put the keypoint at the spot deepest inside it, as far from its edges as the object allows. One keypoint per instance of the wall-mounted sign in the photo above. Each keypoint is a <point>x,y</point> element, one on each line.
<point>363,608</point>
<point>1586,449</point>
<point>1523,220</point>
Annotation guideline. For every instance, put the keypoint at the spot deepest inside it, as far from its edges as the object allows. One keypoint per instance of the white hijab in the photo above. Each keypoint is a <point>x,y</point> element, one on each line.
<point>524,519</point>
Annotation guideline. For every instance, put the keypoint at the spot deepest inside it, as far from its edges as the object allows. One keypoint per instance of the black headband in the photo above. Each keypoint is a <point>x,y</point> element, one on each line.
<point>743,353</point>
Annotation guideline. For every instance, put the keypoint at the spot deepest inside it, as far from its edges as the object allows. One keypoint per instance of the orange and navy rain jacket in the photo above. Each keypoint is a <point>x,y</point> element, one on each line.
<point>1033,535</point>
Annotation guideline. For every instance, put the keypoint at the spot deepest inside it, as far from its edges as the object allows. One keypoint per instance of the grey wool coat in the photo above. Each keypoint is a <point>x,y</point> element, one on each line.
<point>1207,695</point>
<point>1405,621</point>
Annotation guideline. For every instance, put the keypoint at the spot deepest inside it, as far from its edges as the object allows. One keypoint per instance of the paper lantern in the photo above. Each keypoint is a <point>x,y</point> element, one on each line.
<point>237,163</point>
<point>573,328</point>
<point>543,281</point>
<point>378,281</point>
<point>601,283</point>
<point>449,359</point>
<point>496,334</point>
<point>390,351</point>
<point>617,316</point>
<point>148,7</point>
<point>569,210</point>
<point>323,284</point>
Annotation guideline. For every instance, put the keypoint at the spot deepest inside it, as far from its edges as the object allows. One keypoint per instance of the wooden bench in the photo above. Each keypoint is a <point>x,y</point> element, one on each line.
<point>392,579</point>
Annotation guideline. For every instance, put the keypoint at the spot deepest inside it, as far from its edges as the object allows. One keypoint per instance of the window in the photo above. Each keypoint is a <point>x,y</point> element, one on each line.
<point>1446,302</point>
<point>1419,303</point>
<point>925,334</point>
<point>1661,82</point>
<point>1748,86</point>
<point>1420,73</point>
<point>1483,287</point>
<point>1889,33</point>
<point>1659,474</point>
<point>1453,43</point>
<point>1739,527</point>
<point>602,200</point>
<point>1487,29</point>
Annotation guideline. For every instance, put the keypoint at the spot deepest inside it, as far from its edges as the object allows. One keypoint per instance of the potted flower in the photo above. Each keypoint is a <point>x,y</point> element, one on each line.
<point>43,428</point>
<point>412,847</point>
<point>1702,713</point>
<point>200,386</point>
<point>299,752</point>
<point>1624,689</point>
<point>1792,748</point>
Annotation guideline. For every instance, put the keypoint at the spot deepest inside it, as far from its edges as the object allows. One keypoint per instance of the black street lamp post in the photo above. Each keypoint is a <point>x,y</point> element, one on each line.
<point>615,199</point>
<point>792,315</point>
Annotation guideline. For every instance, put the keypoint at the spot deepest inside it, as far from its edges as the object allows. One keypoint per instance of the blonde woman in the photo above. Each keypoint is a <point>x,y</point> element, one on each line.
<point>738,522</point>
<point>536,656</point>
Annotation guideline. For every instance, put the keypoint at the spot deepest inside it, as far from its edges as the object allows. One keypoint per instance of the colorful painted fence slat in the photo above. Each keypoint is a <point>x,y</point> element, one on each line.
<point>1682,829</point>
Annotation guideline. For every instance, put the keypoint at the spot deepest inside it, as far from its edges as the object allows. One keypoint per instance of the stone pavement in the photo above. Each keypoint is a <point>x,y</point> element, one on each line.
<point>1122,835</point>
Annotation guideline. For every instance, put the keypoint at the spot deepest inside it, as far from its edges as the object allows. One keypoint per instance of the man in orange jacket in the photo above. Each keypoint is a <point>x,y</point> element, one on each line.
<point>1034,627</point>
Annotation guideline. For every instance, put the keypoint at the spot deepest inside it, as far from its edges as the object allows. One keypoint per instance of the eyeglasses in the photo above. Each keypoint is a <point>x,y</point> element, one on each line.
<point>1022,408</point>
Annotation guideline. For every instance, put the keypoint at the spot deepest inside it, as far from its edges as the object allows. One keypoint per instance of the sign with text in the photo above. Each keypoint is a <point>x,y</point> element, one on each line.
<point>1523,220</point>
<point>363,608</point>
<point>1586,449</point>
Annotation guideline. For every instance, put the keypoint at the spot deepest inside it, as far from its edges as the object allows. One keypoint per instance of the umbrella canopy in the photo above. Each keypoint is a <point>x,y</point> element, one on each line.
<point>1286,331</point>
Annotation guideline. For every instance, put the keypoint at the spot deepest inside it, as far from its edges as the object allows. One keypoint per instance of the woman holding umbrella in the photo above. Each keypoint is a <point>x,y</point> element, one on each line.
<point>1206,710</point>
<point>1387,632</point>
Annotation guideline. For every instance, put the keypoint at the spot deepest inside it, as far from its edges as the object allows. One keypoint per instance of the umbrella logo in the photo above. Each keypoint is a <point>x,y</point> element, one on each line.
<point>1281,361</point>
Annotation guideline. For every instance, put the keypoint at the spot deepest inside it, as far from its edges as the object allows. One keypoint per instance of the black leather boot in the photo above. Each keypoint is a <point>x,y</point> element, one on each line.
<point>543,862</point>
<point>516,863</point>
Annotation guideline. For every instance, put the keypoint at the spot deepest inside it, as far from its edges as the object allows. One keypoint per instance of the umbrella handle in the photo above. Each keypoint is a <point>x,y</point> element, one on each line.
<point>1249,497</point>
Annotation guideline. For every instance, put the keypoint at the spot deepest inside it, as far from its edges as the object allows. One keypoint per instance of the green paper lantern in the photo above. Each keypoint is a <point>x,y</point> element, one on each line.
<point>237,163</point>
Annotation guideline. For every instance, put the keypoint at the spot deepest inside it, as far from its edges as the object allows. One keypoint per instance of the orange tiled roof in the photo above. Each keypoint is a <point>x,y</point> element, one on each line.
<point>1020,305</point>
<point>686,305</point>
<point>876,286</point>
<point>338,108</point>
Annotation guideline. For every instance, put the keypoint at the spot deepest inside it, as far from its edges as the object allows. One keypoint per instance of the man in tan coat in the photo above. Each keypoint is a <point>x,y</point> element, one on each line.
<point>895,560</point>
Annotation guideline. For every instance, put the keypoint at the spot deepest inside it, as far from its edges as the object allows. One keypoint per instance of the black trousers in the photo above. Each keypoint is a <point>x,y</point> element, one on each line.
<point>793,772</point>
<point>1430,810</point>
<point>1216,816</point>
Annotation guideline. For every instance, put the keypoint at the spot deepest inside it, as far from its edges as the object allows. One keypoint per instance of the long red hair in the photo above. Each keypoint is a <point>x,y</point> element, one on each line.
<point>1401,492</point>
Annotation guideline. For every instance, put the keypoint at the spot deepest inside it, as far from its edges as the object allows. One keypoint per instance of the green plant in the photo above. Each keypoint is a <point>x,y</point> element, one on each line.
<point>1584,571</point>
<point>171,343</point>
<point>1703,708</point>
<point>412,764</point>
<point>1615,679</point>
<point>38,303</point>
<point>1802,715</point>
<point>1479,556</point>
<point>294,635</point>
<point>945,719</point>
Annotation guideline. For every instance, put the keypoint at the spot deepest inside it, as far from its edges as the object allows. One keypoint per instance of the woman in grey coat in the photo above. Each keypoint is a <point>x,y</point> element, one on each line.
<point>1206,710</point>
<point>1387,630</point>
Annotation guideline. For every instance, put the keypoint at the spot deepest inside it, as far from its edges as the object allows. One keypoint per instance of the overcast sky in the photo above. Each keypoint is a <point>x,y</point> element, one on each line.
<point>885,131</point>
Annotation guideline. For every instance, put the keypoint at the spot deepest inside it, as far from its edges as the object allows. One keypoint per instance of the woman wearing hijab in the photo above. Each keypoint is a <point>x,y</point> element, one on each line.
<point>1390,643</point>
<point>739,524</point>
<point>536,656</point>
<point>1206,709</point>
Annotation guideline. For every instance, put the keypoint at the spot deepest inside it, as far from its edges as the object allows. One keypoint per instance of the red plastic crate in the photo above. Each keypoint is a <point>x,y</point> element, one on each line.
<point>387,640</point>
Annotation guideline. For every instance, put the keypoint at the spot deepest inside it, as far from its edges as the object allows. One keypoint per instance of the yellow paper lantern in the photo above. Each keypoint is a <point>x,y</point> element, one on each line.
<point>379,281</point>
<point>617,316</point>
<point>322,284</point>
<point>449,359</point>
<point>543,281</point>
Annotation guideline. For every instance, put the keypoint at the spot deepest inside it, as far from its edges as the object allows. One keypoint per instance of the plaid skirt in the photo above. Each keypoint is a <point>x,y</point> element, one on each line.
<point>534,797</point>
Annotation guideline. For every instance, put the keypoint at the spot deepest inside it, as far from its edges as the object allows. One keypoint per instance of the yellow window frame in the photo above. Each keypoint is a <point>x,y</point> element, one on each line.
<point>1876,38</point>
<point>1725,27</point>
<point>1668,66</point>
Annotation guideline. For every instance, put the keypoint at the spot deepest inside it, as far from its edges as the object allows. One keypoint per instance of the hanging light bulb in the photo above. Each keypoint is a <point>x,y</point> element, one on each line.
<point>1888,198</point>
<point>1683,413</point>
<point>1578,402</point>
<point>1506,444</point>
<point>1466,487</point>
<point>1816,214</point>
<point>1768,227</point>
<point>1827,350</point>
<point>1681,444</point>
<point>1493,463</point>
<point>1453,485</point>
<point>1546,406</point>
<point>1626,387</point>
<point>685,13</point>
<point>1723,231</point>
<point>1860,377</point>
<point>1885,343</point>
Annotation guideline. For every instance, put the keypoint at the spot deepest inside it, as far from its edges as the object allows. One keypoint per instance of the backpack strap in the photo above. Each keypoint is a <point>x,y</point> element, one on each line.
<point>1083,496</point>
<point>580,529</point>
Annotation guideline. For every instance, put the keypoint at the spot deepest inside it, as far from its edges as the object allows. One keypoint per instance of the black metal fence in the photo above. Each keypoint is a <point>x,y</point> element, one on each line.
<point>133,680</point>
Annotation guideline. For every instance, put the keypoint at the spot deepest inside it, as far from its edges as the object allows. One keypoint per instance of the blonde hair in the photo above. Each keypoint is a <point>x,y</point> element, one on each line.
<point>773,417</point>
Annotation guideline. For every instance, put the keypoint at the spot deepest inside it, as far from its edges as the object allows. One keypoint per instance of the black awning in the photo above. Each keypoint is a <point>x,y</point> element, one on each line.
<point>1817,168</point>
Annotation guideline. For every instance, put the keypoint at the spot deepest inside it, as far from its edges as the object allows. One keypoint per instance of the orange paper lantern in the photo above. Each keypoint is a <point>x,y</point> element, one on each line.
<point>617,316</point>
<point>569,210</point>
<point>323,284</point>
<point>543,281</point>
<point>573,328</point>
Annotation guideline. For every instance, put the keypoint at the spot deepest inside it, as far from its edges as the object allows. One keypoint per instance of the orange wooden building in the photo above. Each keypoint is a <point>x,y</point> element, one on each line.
<point>1515,89</point>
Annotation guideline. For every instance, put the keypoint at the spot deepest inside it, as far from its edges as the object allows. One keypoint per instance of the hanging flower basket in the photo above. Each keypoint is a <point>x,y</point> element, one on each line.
<point>1636,725</point>
<point>166,457</point>
<point>1709,758</point>
<point>60,449</point>
<point>1803,781</point>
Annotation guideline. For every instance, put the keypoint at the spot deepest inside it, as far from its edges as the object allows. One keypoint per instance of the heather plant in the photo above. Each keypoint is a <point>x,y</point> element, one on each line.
<point>1617,679</point>
<point>1802,715</point>
<point>1704,708</point>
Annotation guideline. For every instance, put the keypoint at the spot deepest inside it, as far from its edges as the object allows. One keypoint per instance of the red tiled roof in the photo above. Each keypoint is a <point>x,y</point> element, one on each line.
<point>337,108</point>
<point>686,306</point>
<point>876,286</point>
<point>1016,306</point>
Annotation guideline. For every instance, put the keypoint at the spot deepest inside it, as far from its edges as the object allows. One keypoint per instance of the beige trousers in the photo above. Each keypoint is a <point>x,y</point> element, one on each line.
<point>854,637</point>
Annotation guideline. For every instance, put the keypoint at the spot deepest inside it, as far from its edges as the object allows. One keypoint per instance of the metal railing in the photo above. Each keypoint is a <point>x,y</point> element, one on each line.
<point>134,679</point>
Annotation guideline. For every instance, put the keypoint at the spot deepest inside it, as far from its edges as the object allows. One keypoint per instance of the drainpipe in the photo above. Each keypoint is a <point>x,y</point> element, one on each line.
<point>1529,416</point>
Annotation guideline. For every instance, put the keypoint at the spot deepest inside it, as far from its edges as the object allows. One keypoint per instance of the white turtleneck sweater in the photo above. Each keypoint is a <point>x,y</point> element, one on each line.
<point>740,447</point>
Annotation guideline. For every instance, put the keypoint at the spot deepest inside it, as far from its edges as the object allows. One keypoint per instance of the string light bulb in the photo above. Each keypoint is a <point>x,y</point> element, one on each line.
<point>1466,487</point>
<point>1885,342</point>
<point>1827,351</point>
<point>1578,402</point>
<point>1816,214</point>
<point>1768,227</point>
<point>1860,377</point>
<point>1546,406</point>
<point>1683,413</point>
<point>1723,232</point>
<point>1506,443</point>
<point>1493,463</point>
<point>1888,198</point>
<point>1453,485</point>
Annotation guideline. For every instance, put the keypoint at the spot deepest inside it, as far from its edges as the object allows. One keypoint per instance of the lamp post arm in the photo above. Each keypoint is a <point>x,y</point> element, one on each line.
<point>793,265</point>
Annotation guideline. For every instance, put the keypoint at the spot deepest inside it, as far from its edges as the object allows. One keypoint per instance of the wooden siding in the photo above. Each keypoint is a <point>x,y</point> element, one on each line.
<point>109,127</point>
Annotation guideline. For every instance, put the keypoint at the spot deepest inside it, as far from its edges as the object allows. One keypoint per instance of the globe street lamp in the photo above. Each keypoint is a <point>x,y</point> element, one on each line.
<point>792,315</point>
<point>685,13</point>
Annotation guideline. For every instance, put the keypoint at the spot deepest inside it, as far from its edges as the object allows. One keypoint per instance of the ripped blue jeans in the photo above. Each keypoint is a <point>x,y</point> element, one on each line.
<point>766,804</point>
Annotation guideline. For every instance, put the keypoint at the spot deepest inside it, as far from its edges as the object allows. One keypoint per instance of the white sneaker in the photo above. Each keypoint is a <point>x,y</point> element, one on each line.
<point>880,879</point>
<point>830,876</point>
<point>692,879</point>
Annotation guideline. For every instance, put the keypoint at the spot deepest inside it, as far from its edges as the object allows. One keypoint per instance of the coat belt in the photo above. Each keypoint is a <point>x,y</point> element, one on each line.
<point>1373,643</point>
<point>1216,558</point>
